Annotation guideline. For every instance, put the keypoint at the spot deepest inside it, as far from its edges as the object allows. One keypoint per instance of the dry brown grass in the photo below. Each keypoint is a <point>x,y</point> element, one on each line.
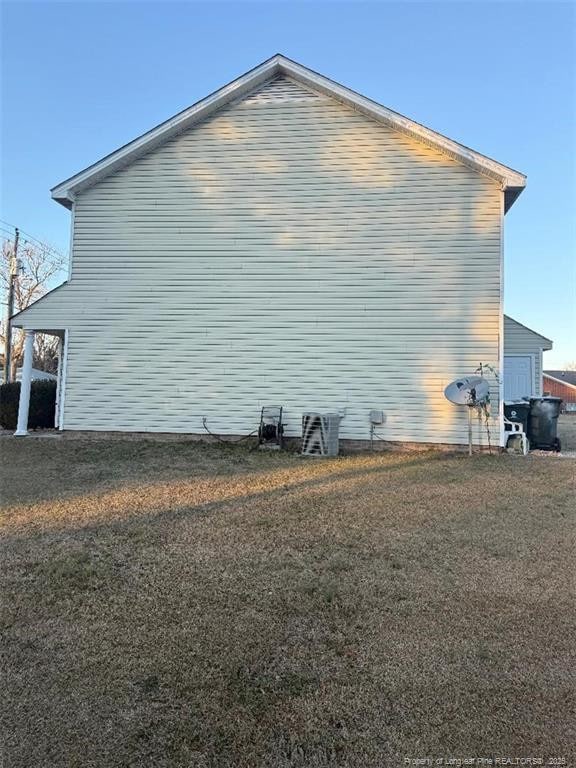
<point>176,604</point>
<point>567,431</point>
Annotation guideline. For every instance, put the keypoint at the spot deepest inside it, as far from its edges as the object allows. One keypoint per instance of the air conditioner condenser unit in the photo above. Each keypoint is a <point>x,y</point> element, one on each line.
<point>320,434</point>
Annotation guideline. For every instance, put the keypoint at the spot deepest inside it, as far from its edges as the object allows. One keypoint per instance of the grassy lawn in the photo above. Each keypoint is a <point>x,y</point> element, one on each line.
<point>177,604</point>
<point>567,431</point>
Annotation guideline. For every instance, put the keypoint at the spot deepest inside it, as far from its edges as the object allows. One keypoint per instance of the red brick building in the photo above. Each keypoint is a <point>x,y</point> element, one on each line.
<point>561,384</point>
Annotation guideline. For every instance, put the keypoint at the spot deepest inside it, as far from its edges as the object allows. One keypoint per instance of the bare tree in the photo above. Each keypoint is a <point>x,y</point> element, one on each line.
<point>571,366</point>
<point>46,352</point>
<point>40,266</point>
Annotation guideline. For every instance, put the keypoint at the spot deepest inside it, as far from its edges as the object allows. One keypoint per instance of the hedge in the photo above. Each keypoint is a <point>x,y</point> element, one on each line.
<point>42,404</point>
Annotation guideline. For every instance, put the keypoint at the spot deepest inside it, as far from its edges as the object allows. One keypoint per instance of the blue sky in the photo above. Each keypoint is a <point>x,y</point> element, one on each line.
<point>80,79</point>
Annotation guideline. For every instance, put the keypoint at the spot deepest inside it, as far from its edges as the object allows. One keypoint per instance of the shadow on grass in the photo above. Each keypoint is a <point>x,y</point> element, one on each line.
<point>40,470</point>
<point>171,500</point>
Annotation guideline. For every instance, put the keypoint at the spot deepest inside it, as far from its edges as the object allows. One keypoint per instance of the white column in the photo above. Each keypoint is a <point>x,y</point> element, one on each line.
<point>58,383</point>
<point>24,404</point>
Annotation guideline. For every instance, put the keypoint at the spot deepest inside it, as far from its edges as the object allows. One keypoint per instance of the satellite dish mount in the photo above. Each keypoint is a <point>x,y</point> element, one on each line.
<point>472,391</point>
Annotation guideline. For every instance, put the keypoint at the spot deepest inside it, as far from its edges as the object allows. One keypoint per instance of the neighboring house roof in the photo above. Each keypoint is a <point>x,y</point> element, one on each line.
<point>564,377</point>
<point>37,375</point>
<point>545,342</point>
<point>512,181</point>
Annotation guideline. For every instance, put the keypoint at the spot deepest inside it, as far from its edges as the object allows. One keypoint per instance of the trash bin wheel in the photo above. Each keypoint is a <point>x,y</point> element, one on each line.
<point>557,445</point>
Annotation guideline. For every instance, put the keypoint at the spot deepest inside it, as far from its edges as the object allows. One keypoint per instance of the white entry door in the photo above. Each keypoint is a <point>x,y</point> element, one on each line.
<point>518,377</point>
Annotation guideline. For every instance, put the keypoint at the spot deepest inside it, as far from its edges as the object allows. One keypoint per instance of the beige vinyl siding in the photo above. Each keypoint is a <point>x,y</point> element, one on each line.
<point>286,251</point>
<point>519,340</point>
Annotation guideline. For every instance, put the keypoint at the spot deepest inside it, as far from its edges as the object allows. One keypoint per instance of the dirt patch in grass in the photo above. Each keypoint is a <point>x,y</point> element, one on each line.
<point>177,604</point>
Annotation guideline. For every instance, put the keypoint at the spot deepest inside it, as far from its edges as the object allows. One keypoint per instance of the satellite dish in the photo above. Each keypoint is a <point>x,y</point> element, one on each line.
<point>469,390</point>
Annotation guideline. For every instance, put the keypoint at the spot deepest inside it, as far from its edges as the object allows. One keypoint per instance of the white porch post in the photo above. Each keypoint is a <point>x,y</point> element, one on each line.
<point>24,404</point>
<point>58,383</point>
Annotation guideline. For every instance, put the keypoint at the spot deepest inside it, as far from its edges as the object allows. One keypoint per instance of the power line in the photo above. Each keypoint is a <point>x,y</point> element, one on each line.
<point>30,238</point>
<point>9,234</point>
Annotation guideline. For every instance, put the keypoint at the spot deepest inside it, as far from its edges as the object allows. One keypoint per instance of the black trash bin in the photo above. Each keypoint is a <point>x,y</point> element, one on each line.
<point>518,411</point>
<point>543,423</point>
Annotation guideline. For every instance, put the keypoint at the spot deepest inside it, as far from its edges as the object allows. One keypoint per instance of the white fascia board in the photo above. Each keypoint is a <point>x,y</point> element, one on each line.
<point>511,180</point>
<point>65,191</point>
<point>548,343</point>
<point>508,176</point>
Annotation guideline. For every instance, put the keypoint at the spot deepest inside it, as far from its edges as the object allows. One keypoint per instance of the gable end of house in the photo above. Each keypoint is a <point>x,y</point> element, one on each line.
<point>512,181</point>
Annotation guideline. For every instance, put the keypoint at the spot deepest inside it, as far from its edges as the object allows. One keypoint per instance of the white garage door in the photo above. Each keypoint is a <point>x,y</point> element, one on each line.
<point>518,377</point>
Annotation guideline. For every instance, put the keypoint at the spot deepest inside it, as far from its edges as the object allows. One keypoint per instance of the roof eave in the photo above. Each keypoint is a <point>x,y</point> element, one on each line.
<point>65,201</point>
<point>65,191</point>
<point>16,319</point>
<point>511,194</point>
<point>548,343</point>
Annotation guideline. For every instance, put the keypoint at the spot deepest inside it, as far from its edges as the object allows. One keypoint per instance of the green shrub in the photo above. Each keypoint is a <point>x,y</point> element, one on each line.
<point>42,405</point>
<point>9,396</point>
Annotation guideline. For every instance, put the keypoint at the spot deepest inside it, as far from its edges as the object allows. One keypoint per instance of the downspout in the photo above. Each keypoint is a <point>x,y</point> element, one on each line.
<point>62,383</point>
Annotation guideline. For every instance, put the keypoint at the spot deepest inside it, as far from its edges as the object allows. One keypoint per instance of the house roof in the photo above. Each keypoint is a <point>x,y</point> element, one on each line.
<point>513,182</point>
<point>16,318</point>
<point>547,343</point>
<point>565,377</point>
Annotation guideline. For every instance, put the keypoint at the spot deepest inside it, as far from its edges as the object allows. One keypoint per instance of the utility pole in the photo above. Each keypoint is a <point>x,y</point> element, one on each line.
<point>10,307</point>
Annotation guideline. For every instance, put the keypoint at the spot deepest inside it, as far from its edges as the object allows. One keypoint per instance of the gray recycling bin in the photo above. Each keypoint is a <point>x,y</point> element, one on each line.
<point>543,423</point>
